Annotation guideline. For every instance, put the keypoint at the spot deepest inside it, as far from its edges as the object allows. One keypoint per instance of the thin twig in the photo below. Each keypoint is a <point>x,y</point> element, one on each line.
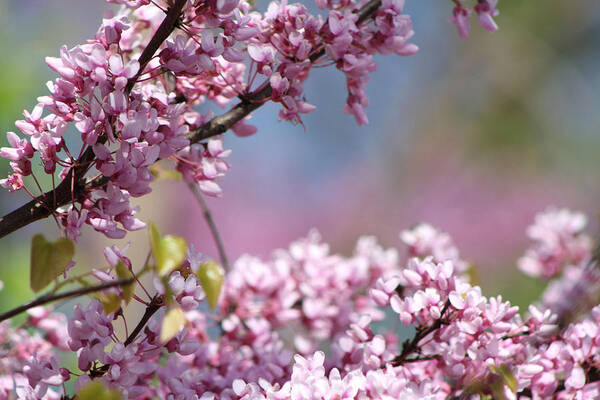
<point>49,297</point>
<point>408,347</point>
<point>167,26</point>
<point>422,358</point>
<point>153,307</point>
<point>211,224</point>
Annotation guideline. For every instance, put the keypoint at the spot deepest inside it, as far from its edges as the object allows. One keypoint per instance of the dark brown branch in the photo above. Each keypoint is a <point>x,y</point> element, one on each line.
<point>421,358</point>
<point>36,209</point>
<point>162,33</point>
<point>222,123</point>
<point>367,11</point>
<point>153,307</point>
<point>409,347</point>
<point>49,298</point>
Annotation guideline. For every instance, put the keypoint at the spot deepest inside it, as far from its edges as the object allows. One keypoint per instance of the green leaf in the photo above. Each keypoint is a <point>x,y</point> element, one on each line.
<point>154,238</point>
<point>169,296</point>
<point>506,378</point>
<point>48,260</point>
<point>171,254</point>
<point>110,302</point>
<point>172,323</point>
<point>159,172</point>
<point>169,251</point>
<point>472,274</point>
<point>97,391</point>
<point>211,279</point>
<point>124,273</point>
<point>497,388</point>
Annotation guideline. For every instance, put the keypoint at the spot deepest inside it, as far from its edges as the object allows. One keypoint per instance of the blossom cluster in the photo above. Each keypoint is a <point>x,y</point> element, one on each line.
<point>132,109</point>
<point>275,317</point>
<point>559,242</point>
<point>486,11</point>
<point>562,254</point>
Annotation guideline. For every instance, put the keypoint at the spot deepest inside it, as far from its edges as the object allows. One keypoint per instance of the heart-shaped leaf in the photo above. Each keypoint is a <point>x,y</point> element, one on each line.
<point>48,260</point>
<point>169,251</point>
<point>110,302</point>
<point>211,279</point>
<point>507,377</point>
<point>124,273</point>
<point>172,323</point>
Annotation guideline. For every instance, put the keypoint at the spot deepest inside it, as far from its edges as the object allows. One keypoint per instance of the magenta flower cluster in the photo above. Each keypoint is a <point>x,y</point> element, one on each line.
<point>274,318</point>
<point>130,115</point>
<point>485,10</point>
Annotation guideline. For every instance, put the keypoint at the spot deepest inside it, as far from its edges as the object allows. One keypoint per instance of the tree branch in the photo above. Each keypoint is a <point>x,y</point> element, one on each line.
<point>162,33</point>
<point>37,209</point>
<point>153,307</point>
<point>49,297</point>
<point>409,347</point>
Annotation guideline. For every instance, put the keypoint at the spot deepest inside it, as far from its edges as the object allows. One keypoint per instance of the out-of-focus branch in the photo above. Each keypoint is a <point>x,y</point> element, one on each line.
<point>50,297</point>
<point>211,224</point>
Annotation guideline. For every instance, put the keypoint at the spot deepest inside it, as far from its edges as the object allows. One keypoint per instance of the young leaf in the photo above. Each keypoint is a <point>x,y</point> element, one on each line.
<point>211,279</point>
<point>172,323</point>
<point>506,379</point>
<point>124,273</point>
<point>97,391</point>
<point>509,379</point>
<point>110,302</point>
<point>169,251</point>
<point>48,260</point>
<point>172,253</point>
<point>169,295</point>
<point>160,172</point>
<point>154,238</point>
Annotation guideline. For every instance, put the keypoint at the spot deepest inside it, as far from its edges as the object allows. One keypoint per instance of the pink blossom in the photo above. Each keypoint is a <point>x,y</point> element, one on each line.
<point>460,17</point>
<point>73,222</point>
<point>486,10</point>
<point>424,240</point>
<point>558,242</point>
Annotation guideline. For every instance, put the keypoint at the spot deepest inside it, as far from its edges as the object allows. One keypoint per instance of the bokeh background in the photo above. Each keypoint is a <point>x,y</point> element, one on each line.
<point>473,136</point>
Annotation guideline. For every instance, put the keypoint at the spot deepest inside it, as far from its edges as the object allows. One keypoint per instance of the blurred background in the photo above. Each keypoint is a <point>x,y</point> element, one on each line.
<point>473,136</point>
